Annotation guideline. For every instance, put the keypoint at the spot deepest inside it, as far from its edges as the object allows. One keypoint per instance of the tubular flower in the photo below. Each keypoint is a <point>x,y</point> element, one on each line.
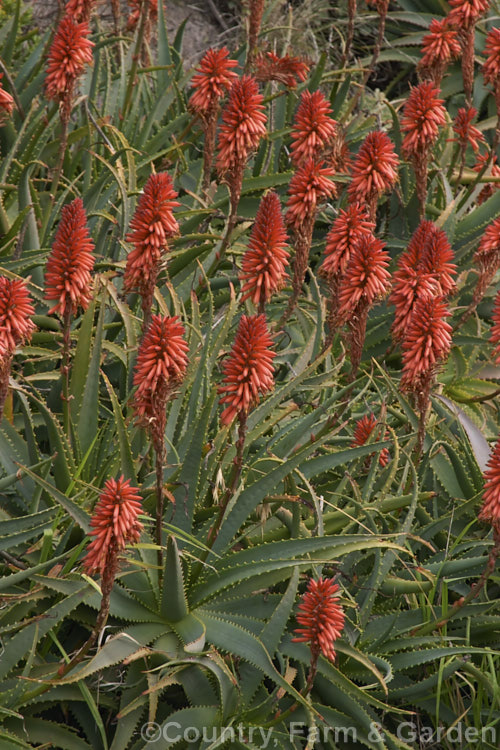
<point>248,370</point>
<point>243,124</point>
<point>308,187</point>
<point>347,230</point>
<point>69,53</point>
<point>313,128</point>
<point>161,365</point>
<point>16,327</point>
<point>424,270</point>
<point>490,509</point>
<point>375,169</point>
<point>286,70</point>
<point>366,278</point>
<point>321,617</point>
<point>465,13</point>
<point>493,170</point>
<point>363,430</point>
<point>263,265</point>
<point>426,344</point>
<point>337,154</point>
<point>135,13</point>
<point>69,265</point>
<point>6,102</point>
<point>365,281</point>
<point>410,285</point>
<point>437,261</point>
<point>16,312</point>
<point>213,79</point>
<point>491,66</point>
<point>465,130</point>
<point>487,256</point>
<point>256,11</point>
<point>414,253</point>
<point>152,224</point>
<point>495,329</point>
<point>80,10</point>
<point>439,46</point>
<point>423,115</point>
<point>114,522</point>
<point>487,259</point>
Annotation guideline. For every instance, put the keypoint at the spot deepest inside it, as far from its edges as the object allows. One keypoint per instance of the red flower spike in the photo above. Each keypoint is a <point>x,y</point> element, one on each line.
<point>487,256</point>
<point>79,10</point>
<point>424,270</point>
<point>426,344</point>
<point>363,430</point>
<point>286,70</point>
<point>248,369</point>
<point>495,329</point>
<point>366,278</point>
<point>410,285</point>
<point>309,186</point>
<point>114,522</point>
<point>487,260</point>
<point>375,169</point>
<point>321,617</point>
<point>313,128</point>
<point>263,265</point>
<point>135,13</point>
<point>69,53</point>
<point>490,509</point>
<point>161,365</point>
<point>414,253</point>
<point>423,116</point>
<point>439,46</point>
<point>243,124</point>
<point>256,11</point>
<point>337,155</point>
<point>69,265</point>
<point>465,13</point>
<point>213,79</point>
<point>493,170</point>
<point>347,230</point>
<point>437,262</point>
<point>365,281</point>
<point>16,311</point>
<point>465,130</point>
<point>6,102</point>
<point>151,226</point>
<point>491,67</point>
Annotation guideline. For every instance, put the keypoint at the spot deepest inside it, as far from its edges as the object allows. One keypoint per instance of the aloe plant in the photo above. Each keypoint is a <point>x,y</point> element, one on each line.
<point>198,648</point>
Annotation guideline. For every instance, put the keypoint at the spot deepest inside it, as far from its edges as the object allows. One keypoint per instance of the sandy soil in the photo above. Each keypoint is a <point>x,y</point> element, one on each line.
<point>204,27</point>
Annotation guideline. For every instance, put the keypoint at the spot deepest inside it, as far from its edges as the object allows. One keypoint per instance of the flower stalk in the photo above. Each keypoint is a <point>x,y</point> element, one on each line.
<point>321,621</point>
<point>114,523</point>
<point>243,125</point>
<point>160,367</point>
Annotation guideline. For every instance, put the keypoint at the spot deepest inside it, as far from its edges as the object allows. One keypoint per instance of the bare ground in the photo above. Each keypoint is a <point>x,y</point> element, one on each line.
<point>208,23</point>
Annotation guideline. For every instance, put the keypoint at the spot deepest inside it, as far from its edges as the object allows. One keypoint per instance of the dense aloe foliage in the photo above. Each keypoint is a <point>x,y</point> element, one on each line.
<point>245,499</point>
